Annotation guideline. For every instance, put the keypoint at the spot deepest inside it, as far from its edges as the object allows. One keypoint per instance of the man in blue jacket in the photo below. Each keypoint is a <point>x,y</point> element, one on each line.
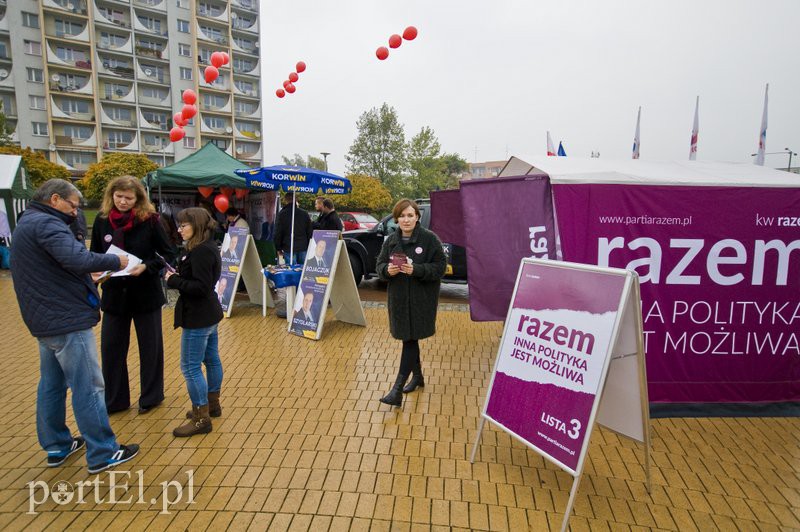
<point>60,305</point>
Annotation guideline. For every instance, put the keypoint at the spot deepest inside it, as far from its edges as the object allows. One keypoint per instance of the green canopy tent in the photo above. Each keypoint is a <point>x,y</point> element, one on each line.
<point>15,192</point>
<point>207,167</point>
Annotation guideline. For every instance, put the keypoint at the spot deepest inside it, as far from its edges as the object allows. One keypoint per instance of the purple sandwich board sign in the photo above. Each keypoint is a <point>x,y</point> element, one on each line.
<point>565,325</point>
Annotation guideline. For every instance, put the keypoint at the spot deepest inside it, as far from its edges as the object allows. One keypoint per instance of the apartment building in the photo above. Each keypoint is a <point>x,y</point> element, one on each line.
<point>80,78</point>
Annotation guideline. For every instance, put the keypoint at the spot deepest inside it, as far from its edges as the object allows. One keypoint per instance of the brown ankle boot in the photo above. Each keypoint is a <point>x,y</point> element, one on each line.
<point>214,408</point>
<point>200,423</point>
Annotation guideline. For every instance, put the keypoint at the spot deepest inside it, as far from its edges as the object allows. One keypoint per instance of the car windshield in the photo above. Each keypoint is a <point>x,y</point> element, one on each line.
<point>361,217</point>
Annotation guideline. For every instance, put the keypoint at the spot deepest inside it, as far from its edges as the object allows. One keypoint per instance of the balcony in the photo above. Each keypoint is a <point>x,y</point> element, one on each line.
<point>162,125</point>
<point>150,74</point>
<point>256,113</point>
<point>6,77</point>
<point>52,31</point>
<point>157,144</point>
<point>254,135</point>
<point>121,144</point>
<point>160,30</point>
<point>76,7</point>
<point>155,102</point>
<point>155,5</point>
<point>66,86</point>
<point>59,112</point>
<point>106,118</point>
<point>80,61</point>
<point>219,84</point>
<point>117,70</point>
<point>107,44</point>
<point>149,52</point>
<point>81,166</point>
<point>248,151</point>
<point>112,94</point>
<point>220,16</point>
<point>215,129</point>
<point>219,39</point>
<point>244,25</point>
<point>249,5</point>
<point>121,22</point>
<point>64,140</point>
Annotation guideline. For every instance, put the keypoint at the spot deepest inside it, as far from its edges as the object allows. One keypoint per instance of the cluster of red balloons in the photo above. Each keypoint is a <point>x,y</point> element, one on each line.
<point>288,85</point>
<point>217,60</point>
<point>409,34</point>
<point>223,200</point>
<point>182,117</point>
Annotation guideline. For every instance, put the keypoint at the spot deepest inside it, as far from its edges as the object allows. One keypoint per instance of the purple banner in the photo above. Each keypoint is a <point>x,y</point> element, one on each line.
<point>507,219</point>
<point>447,219</point>
<point>554,348</point>
<point>720,271</point>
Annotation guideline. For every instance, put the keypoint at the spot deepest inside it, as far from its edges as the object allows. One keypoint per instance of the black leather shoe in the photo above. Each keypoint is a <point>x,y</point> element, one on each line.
<point>416,382</point>
<point>395,395</point>
<point>146,409</point>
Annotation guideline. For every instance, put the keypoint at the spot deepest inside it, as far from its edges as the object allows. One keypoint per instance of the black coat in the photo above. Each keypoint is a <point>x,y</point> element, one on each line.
<point>143,293</point>
<point>413,299</point>
<point>51,270</point>
<point>329,221</point>
<point>283,229</point>
<point>198,272</point>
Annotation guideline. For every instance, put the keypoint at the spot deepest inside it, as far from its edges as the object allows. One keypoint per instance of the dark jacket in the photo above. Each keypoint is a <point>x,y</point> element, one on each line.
<point>79,227</point>
<point>329,221</point>
<point>283,229</point>
<point>132,295</point>
<point>198,272</point>
<point>51,269</point>
<point>413,299</point>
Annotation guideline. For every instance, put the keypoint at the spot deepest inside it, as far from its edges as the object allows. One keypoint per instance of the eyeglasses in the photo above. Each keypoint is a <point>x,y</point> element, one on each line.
<point>183,226</point>
<point>71,204</point>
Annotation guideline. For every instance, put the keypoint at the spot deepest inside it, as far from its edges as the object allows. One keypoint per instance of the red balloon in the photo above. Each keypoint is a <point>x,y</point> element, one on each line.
<point>189,96</point>
<point>286,83</point>
<point>240,193</point>
<point>382,53</point>
<point>300,67</point>
<point>211,73</point>
<point>205,191</point>
<point>188,111</point>
<point>221,203</point>
<point>410,33</point>
<point>280,93</point>
<point>293,77</point>
<point>290,88</point>
<point>178,120</point>
<point>226,191</point>
<point>217,59</point>
<point>395,41</point>
<point>176,134</point>
<point>226,57</point>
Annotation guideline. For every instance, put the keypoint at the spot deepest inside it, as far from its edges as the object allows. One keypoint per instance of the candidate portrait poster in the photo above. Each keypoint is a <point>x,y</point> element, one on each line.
<point>314,283</point>
<point>261,208</point>
<point>231,254</point>
<point>553,356</point>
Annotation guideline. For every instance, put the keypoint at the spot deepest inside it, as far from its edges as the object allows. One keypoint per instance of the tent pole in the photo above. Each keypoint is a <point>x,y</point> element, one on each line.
<point>291,241</point>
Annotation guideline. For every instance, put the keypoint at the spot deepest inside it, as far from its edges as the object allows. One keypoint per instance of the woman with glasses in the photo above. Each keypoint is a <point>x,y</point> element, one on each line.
<point>128,220</point>
<point>198,311</point>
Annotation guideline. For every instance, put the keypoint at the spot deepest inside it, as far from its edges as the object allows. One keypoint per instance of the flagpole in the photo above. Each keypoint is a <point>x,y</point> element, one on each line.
<point>762,136</point>
<point>636,141</point>
<point>695,131</point>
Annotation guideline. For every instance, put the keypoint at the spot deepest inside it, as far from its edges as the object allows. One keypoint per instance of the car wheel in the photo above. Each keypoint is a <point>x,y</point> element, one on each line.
<point>358,269</point>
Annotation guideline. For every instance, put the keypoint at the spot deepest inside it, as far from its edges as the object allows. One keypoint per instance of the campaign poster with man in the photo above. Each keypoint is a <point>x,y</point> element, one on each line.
<point>552,356</point>
<point>307,307</point>
<point>232,250</point>
<point>314,283</point>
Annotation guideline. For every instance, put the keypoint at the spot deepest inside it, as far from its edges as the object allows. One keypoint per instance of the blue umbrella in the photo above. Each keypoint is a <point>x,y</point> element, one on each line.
<point>295,179</point>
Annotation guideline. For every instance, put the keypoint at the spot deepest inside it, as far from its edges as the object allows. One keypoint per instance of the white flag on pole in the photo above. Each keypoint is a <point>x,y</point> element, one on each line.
<point>551,150</point>
<point>695,131</point>
<point>762,136</point>
<point>636,142</point>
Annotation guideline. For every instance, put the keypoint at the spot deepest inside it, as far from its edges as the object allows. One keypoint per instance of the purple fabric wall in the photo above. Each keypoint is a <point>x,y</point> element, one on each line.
<point>447,219</point>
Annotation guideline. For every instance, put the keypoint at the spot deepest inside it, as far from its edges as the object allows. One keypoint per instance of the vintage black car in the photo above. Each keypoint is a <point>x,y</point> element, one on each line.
<point>364,245</point>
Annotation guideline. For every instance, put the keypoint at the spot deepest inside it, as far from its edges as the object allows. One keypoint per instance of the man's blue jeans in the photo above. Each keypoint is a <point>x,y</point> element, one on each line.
<point>70,361</point>
<point>201,347</point>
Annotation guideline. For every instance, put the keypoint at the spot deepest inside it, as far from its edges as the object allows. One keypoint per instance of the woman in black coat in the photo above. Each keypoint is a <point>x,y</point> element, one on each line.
<point>128,220</point>
<point>413,263</point>
<point>198,311</point>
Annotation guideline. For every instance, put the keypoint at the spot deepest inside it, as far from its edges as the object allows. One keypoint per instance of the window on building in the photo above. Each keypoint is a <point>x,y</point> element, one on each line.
<point>212,33</point>
<point>205,55</point>
<point>183,4</point>
<point>183,26</point>
<point>114,15</point>
<point>246,87</point>
<point>78,132</point>
<point>185,50</point>
<point>247,127</point>
<point>120,114</point>
<point>214,122</point>
<point>186,73</point>
<point>117,139</point>
<point>3,50</point>
<point>207,9</point>
<point>67,27</point>
<point>115,90</point>
<point>72,81</point>
<point>114,62</point>
<point>152,24</point>
<point>245,108</point>
<point>35,75</point>
<point>33,47</point>
<point>36,102</point>
<point>30,20</point>
<point>214,101</point>
<point>75,106</point>
<point>77,158</point>
<point>39,129</point>
<point>243,65</point>
<point>156,118</point>
<point>153,140</point>
<point>112,40</point>
<point>7,104</point>
<point>219,143</point>
<point>155,92</point>
<point>245,44</point>
<point>188,142</point>
<point>70,55</point>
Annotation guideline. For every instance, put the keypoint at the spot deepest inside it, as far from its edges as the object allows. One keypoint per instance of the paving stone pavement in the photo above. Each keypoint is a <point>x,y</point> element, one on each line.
<point>304,444</point>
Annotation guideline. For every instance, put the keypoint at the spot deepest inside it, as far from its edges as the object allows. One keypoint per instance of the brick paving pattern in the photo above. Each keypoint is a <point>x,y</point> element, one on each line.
<point>304,444</point>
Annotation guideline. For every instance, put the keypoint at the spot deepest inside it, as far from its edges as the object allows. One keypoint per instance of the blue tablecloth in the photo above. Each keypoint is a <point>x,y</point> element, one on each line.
<point>284,277</point>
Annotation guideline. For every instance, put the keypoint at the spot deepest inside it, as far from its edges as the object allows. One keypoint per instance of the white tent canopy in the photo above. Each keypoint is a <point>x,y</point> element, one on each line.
<point>572,170</point>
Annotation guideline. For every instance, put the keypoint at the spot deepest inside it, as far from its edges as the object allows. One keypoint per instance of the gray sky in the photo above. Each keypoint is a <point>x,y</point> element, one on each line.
<point>497,74</point>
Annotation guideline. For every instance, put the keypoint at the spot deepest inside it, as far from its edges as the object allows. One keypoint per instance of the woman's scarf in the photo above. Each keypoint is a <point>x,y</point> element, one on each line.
<point>121,222</point>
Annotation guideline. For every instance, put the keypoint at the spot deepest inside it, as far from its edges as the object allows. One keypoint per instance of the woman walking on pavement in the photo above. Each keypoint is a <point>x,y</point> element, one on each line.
<point>129,221</point>
<point>413,263</point>
<point>198,311</point>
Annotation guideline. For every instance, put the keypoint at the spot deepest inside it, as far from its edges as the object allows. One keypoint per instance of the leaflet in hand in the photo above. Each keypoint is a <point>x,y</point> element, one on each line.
<point>133,260</point>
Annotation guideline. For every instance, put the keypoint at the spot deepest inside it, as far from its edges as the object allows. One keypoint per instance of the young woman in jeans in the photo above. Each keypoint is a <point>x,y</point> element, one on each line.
<point>198,311</point>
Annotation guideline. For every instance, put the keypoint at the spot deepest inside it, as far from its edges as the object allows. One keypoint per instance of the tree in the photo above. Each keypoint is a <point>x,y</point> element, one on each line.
<point>427,167</point>
<point>114,165</point>
<point>368,195</point>
<point>455,167</point>
<point>5,129</point>
<point>36,165</point>
<point>379,150</point>
<point>311,162</point>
